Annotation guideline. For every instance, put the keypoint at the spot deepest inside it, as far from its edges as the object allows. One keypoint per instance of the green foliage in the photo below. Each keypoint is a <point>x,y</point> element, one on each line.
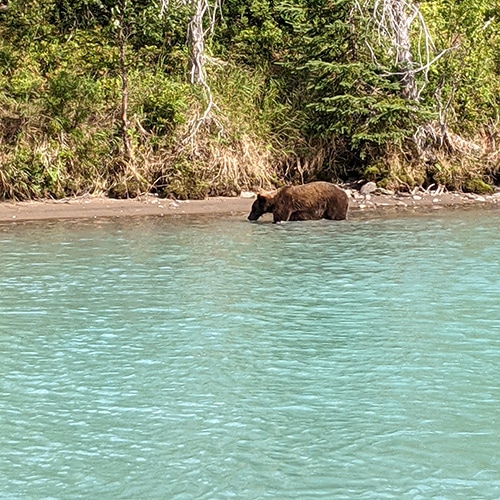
<point>478,186</point>
<point>352,101</point>
<point>184,181</point>
<point>467,78</point>
<point>254,33</point>
<point>162,102</point>
<point>349,104</point>
<point>297,94</point>
<point>69,98</point>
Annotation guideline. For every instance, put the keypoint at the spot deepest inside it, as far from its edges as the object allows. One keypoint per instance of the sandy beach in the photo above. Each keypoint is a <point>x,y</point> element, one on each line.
<point>88,207</point>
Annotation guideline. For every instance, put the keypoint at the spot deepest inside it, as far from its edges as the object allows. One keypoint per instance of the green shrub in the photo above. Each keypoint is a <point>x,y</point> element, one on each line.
<point>478,186</point>
<point>161,102</point>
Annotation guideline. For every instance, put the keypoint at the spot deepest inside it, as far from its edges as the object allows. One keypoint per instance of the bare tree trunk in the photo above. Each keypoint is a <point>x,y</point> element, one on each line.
<point>402,20</point>
<point>196,36</point>
<point>130,171</point>
<point>196,42</point>
<point>127,148</point>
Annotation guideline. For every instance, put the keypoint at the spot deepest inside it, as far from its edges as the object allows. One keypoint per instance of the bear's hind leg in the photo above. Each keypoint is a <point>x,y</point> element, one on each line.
<point>340,215</point>
<point>336,213</point>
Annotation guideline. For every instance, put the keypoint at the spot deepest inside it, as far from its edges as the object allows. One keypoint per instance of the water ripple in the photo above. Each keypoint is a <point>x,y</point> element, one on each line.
<point>202,358</point>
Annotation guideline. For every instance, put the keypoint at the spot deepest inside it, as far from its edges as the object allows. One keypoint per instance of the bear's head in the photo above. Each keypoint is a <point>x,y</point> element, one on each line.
<point>262,205</point>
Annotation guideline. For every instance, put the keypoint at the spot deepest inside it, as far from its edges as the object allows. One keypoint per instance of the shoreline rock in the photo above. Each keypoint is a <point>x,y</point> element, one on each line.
<point>431,199</point>
<point>94,207</point>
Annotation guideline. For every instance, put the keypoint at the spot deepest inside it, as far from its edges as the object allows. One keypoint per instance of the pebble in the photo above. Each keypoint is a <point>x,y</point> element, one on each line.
<point>247,194</point>
<point>368,188</point>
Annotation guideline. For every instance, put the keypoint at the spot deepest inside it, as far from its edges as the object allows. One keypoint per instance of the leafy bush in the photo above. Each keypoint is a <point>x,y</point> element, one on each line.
<point>162,102</point>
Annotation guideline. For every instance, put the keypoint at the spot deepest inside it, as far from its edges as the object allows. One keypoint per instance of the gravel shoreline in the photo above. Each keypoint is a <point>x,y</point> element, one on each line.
<point>92,207</point>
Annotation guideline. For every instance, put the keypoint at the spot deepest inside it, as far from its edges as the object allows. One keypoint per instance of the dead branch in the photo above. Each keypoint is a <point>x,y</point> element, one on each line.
<point>198,59</point>
<point>392,21</point>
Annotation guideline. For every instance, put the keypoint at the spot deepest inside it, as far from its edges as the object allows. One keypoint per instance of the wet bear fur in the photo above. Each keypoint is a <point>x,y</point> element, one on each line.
<point>313,201</point>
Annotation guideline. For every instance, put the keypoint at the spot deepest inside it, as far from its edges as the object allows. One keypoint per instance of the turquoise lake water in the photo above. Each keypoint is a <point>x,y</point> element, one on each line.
<point>212,358</point>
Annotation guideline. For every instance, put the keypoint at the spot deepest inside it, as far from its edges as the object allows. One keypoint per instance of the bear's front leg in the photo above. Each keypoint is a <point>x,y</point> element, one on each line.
<point>281,216</point>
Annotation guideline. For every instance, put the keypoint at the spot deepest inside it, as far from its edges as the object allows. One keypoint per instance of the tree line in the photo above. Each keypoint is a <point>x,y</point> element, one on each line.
<point>190,98</point>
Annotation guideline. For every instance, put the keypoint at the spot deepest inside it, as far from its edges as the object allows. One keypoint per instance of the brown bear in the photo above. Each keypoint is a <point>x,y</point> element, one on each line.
<point>313,201</point>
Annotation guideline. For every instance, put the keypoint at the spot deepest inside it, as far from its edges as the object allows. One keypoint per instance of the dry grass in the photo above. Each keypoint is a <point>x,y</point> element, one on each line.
<point>209,167</point>
<point>438,156</point>
<point>227,152</point>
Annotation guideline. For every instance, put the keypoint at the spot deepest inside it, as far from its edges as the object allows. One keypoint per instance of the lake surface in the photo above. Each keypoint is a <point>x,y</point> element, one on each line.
<point>212,358</point>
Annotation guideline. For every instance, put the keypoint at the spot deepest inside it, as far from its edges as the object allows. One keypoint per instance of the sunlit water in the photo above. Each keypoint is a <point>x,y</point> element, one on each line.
<point>207,358</point>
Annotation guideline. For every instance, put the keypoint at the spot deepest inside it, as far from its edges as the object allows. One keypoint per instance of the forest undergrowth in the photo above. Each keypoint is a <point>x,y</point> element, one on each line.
<point>99,97</point>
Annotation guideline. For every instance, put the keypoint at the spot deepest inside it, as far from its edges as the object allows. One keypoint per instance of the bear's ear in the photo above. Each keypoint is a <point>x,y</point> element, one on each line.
<point>262,196</point>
